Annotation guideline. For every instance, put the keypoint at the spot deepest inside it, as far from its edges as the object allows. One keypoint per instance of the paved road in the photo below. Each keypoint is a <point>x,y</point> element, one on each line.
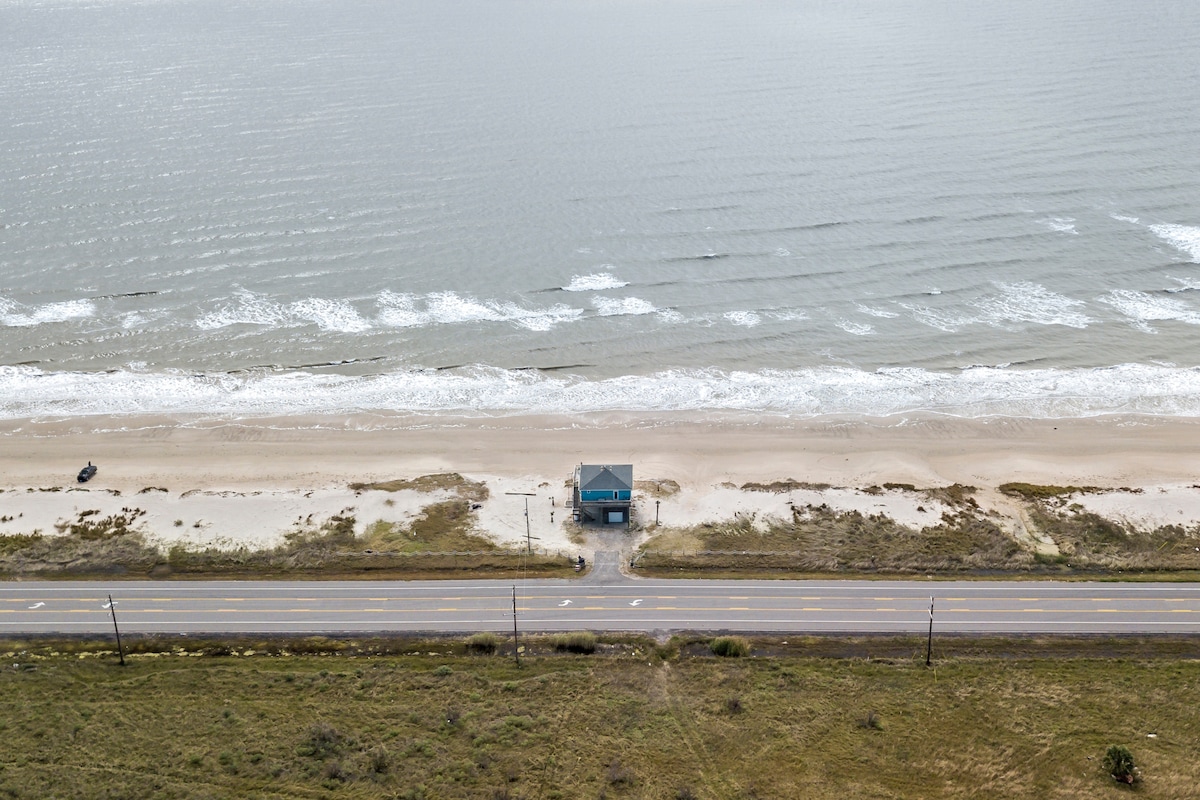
<point>606,600</point>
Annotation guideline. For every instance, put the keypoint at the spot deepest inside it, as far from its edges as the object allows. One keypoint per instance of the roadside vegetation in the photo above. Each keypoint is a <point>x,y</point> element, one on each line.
<point>966,541</point>
<point>612,717</point>
<point>441,541</point>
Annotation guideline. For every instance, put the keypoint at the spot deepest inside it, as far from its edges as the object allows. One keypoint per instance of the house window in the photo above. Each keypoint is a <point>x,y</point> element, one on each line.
<point>615,496</point>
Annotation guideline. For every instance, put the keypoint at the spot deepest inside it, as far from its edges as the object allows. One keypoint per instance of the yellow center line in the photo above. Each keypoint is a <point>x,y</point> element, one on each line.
<point>372,609</point>
<point>739,608</point>
<point>885,609</point>
<point>226,599</point>
<point>447,609</point>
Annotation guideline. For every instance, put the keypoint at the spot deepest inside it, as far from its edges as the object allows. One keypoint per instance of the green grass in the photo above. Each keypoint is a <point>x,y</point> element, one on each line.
<point>424,719</point>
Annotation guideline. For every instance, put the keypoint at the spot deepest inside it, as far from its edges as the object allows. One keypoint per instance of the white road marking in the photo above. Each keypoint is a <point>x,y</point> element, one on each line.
<point>37,605</point>
<point>636,603</point>
<point>564,603</point>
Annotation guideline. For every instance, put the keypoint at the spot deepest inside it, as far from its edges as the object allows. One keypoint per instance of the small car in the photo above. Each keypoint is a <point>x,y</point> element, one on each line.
<point>87,473</point>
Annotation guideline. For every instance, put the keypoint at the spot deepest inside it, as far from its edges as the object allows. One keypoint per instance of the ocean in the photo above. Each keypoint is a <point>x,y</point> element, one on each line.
<point>247,208</point>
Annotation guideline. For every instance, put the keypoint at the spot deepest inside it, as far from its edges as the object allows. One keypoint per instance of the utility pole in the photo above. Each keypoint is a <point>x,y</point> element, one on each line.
<point>516,644</point>
<point>113,608</point>
<point>528,538</point>
<point>929,645</point>
<point>656,502</point>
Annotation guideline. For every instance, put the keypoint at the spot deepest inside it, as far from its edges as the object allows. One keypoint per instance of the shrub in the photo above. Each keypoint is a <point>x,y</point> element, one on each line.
<point>870,722</point>
<point>582,642</point>
<point>1118,762</point>
<point>323,740</point>
<point>730,646</point>
<point>485,643</point>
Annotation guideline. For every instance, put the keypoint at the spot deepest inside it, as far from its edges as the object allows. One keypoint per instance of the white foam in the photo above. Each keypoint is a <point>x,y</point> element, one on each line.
<point>746,319</point>
<point>597,282</point>
<point>856,328</point>
<point>329,315</point>
<point>786,314</point>
<point>450,308</point>
<point>881,313</point>
<point>1032,303</point>
<point>950,323</point>
<point>1060,224</point>
<point>614,307</point>
<point>1123,218</point>
<point>18,315</point>
<point>1141,309</point>
<point>1181,237</point>
<point>247,309</point>
<point>27,392</point>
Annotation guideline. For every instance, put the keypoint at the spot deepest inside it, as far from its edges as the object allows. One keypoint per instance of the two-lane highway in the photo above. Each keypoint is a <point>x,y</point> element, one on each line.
<point>616,604</point>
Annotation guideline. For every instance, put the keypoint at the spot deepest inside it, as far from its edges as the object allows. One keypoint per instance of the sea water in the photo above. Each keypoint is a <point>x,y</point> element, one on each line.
<point>258,207</point>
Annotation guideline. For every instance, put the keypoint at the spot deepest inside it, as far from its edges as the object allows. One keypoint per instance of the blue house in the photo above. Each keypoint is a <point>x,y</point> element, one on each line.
<point>603,493</point>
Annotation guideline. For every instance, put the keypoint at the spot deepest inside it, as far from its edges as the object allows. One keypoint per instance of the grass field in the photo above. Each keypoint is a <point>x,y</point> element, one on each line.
<point>637,719</point>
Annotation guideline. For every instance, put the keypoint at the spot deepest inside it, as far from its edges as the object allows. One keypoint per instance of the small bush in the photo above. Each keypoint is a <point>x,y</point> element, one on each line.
<point>1118,762</point>
<point>582,642</point>
<point>618,774</point>
<point>734,705</point>
<point>870,722</point>
<point>730,646</point>
<point>323,740</point>
<point>485,643</point>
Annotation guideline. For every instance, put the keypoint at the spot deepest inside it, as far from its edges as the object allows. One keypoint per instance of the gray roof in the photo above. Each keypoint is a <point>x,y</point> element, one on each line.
<point>606,478</point>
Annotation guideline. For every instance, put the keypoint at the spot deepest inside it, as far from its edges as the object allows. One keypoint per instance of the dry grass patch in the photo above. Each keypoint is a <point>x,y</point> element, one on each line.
<point>475,491</point>
<point>441,527</point>
<point>1088,541</point>
<point>821,539</point>
<point>657,487</point>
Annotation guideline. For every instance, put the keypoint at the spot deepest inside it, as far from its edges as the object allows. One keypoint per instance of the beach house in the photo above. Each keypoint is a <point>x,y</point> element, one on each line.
<point>603,493</point>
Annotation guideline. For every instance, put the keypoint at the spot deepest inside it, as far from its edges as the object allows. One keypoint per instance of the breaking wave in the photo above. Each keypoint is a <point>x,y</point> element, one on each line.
<point>597,282</point>
<point>17,315</point>
<point>28,392</point>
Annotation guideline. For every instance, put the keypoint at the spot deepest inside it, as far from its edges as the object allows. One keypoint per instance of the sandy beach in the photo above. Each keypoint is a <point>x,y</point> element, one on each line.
<point>225,483</point>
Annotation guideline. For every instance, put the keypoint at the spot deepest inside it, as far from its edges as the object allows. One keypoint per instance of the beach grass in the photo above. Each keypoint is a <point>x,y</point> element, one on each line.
<point>441,541</point>
<point>820,540</point>
<point>798,717</point>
